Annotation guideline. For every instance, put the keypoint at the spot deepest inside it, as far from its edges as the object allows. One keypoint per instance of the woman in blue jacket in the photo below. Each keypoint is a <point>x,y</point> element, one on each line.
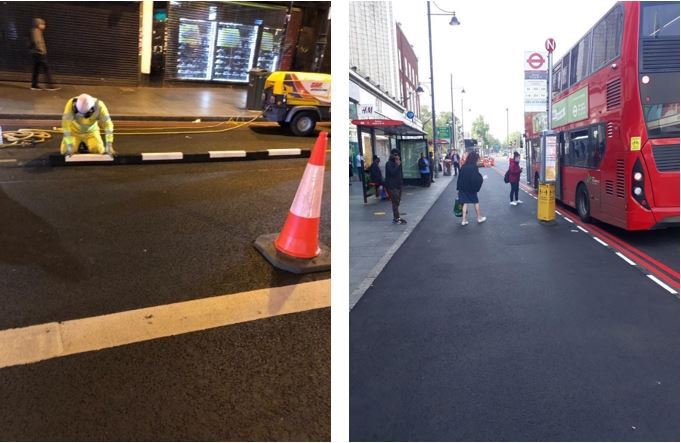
<point>468,184</point>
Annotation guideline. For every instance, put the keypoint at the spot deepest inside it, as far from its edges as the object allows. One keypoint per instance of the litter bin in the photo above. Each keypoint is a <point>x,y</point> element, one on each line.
<point>256,86</point>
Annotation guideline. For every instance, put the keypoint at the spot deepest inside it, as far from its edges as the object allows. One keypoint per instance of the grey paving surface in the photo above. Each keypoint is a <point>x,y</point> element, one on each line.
<point>374,238</point>
<point>512,331</point>
<point>128,101</point>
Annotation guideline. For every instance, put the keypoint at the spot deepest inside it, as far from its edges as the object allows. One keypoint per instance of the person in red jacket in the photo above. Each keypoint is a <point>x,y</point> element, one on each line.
<point>514,171</point>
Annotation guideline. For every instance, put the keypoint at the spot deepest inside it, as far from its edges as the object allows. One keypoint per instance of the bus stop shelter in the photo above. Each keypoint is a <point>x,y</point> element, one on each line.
<point>409,140</point>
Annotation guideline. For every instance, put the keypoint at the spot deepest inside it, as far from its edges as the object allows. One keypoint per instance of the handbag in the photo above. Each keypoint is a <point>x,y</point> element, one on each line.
<point>506,178</point>
<point>458,208</point>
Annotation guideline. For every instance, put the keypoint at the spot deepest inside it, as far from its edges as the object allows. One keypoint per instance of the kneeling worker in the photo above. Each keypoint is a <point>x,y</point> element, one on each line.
<point>80,124</point>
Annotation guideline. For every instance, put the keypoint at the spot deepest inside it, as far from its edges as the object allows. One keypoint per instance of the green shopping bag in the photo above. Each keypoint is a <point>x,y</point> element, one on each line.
<point>458,208</point>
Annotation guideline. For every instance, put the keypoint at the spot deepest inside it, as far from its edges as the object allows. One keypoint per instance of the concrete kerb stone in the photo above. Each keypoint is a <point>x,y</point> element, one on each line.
<point>157,158</point>
<point>357,294</point>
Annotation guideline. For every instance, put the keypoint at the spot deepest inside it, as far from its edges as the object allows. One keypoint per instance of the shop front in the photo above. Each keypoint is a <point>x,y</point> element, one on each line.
<point>222,42</point>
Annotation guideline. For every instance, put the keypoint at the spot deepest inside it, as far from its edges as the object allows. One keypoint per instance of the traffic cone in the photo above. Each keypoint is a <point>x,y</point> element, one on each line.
<point>296,248</point>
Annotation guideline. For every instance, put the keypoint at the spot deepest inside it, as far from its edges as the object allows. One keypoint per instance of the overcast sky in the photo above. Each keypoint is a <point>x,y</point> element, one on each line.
<point>486,52</point>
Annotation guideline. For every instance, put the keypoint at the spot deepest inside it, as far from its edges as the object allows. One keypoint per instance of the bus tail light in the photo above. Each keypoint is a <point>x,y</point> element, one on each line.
<point>638,190</point>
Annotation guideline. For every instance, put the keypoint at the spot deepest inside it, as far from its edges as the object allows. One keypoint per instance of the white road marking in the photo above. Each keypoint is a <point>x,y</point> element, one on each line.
<point>568,220</point>
<point>162,156</point>
<point>559,213</point>
<point>40,342</point>
<point>226,154</point>
<point>600,241</point>
<point>11,160</point>
<point>656,280</point>
<point>624,257</point>
<point>275,152</point>
<point>582,229</point>
<point>88,158</point>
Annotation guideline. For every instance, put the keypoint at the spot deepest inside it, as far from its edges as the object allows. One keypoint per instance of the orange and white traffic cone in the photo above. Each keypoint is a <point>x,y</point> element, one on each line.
<point>296,248</point>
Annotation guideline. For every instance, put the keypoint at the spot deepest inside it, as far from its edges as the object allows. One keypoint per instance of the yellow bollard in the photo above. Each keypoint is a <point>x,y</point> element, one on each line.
<point>546,203</point>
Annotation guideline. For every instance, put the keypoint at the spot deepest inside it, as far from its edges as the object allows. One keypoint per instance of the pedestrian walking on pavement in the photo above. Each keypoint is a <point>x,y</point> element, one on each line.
<point>456,160</point>
<point>424,170</point>
<point>469,184</point>
<point>514,171</point>
<point>375,175</point>
<point>432,168</point>
<point>359,160</point>
<point>393,184</point>
<point>39,54</point>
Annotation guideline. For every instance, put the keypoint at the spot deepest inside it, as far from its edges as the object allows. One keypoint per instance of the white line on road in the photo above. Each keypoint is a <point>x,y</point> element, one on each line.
<point>49,340</point>
<point>568,220</point>
<point>582,229</point>
<point>624,257</point>
<point>11,160</point>
<point>656,280</point>
<point>226,154</point>
<point>275,152</point>
<point>599,240</point>
<point>162,156</point>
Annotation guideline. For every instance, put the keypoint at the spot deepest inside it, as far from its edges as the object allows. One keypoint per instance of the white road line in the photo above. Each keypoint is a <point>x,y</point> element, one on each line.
<point>599,241</point>
<point>582,229</point>
<point>49,340</point>
<point>226,154</point>
<point>656,280</point>
<point>568,220</point>
<point>275,152</point>
<point>624,257</point>
<point>162,156</point>
<point>88,158</point>
<point>11,160</point>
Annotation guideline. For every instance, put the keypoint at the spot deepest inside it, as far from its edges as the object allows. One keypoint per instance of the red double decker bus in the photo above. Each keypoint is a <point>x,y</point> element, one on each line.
<point>616,112</point>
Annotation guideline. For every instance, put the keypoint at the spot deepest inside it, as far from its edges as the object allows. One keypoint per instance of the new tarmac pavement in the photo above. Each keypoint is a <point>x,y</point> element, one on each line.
<point>512,331</point>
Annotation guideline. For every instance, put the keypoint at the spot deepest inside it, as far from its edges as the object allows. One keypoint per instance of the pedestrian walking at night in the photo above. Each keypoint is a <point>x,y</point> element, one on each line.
<point>393,184</point>
<point>424,170</point>
<point>39,54</point>
<point>514,171</point>
<point>469,184</point>
<point>456,161</point>
<point>376,176</point>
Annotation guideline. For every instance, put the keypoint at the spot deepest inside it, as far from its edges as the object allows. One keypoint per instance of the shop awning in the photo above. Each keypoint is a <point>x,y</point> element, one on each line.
<point>388,127</point>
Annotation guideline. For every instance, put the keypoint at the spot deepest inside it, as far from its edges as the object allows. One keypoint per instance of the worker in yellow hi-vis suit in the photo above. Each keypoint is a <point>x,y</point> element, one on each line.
<point>80,123</point>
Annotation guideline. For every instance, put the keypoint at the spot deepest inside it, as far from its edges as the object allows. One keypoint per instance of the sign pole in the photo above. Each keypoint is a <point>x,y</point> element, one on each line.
<point>546,201</point>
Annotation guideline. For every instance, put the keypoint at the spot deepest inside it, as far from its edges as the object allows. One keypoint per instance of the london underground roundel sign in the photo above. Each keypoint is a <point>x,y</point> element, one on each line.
<point>535,60</point>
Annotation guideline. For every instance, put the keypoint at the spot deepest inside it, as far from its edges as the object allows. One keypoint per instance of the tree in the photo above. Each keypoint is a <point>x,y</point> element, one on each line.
<point>513,139</point>
<point>480,131</point>
<point>443,119</point>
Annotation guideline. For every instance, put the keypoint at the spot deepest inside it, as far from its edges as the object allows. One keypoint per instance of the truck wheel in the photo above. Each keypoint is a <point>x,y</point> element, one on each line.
<point>583,204</point>
<point>303,124</point>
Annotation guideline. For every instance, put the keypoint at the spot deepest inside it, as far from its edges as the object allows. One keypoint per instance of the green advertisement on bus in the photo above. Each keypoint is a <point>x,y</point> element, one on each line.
<point>573,108</point>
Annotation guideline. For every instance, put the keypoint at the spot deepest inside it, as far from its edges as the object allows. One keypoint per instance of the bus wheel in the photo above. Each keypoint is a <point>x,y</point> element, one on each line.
<point>583,204</point>
<point>303,124</point>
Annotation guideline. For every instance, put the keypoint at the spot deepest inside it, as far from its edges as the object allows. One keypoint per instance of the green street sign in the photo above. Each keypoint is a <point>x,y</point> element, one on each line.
<point>444,132</point>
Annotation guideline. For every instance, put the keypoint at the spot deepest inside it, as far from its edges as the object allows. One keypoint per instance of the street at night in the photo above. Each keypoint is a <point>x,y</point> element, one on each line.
<point>82,242</point>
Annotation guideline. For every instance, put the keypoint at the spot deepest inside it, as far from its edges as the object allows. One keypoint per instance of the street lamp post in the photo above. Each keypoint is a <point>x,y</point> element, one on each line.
<point>453,22</point>
<point>463,131</point>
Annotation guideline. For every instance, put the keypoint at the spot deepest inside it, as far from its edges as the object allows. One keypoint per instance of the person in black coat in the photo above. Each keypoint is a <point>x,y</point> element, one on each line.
<point>375,175</point>
<point>393,184</point>
<point>468,184</point>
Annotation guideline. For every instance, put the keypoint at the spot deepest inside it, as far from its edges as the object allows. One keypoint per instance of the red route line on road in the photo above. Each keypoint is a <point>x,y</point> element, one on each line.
<point>644,260</point>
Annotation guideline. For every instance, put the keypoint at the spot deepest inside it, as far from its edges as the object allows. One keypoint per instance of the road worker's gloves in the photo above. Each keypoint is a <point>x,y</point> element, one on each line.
<point>69,150</point>
<point>109,149</point>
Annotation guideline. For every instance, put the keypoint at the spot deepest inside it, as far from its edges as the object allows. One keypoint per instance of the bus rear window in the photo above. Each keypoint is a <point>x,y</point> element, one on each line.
<point>659,20</point>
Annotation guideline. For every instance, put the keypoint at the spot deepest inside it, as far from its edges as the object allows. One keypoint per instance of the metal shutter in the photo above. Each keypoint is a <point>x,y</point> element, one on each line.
<point>87,42</point>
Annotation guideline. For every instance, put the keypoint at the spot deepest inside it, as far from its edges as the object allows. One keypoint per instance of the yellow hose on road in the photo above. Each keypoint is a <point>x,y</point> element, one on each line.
<point>30,136</point>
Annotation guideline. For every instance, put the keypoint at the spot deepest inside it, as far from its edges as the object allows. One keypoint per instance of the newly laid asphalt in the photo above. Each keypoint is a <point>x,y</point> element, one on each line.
<point>512,331</point>
<point>82,242</point>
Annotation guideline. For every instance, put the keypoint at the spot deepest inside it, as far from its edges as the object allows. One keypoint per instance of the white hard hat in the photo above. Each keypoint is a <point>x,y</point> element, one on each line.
<point>84,103</point>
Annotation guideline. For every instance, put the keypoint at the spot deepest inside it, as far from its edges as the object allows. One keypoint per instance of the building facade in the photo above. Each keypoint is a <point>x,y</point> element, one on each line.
<point>373,45</point>
<point>408,65</point>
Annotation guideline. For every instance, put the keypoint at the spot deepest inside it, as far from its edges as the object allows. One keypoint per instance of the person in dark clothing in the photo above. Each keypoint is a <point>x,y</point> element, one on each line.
<point>376,176</point>
<point>424,170</point>
<point>514,171</point>
<point>468,184</point>
<point>456,160</point>
<point>393,183</point>
<point>39,53</point>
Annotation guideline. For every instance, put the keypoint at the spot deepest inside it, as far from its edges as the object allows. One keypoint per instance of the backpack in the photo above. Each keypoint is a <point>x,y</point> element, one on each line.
<point>506,178</point>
